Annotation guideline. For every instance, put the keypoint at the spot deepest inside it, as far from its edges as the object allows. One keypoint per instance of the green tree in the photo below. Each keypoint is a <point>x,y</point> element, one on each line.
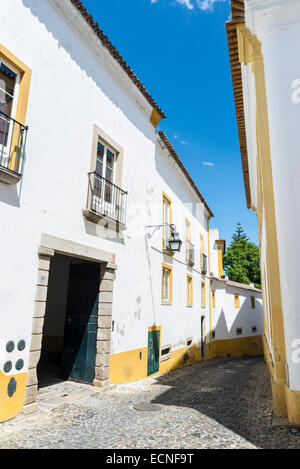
<point>241,261</point>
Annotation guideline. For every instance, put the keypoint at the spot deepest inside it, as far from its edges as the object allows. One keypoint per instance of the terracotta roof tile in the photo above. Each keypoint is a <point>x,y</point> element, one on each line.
<point>238,16</point>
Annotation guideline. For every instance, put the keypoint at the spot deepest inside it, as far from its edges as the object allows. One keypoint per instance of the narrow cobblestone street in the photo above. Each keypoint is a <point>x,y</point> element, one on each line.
<point>222,403</point>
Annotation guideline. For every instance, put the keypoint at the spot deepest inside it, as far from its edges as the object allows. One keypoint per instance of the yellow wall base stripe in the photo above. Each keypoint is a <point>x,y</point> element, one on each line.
<point>234,347</point>
<point>11,406</point>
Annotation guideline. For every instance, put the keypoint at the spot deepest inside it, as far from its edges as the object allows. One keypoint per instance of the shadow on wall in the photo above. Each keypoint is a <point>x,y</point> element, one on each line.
<point>11,194</point>
<point>248,343</point>
<point>79,53</point>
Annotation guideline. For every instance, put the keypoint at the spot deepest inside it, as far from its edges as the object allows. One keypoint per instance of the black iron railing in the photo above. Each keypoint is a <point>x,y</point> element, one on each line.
<point>107,199</point>
<point>12,143</point>
<point>190,253</point>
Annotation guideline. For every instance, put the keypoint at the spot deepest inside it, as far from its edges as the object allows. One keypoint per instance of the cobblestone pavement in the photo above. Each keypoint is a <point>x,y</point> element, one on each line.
<point>222,403</point>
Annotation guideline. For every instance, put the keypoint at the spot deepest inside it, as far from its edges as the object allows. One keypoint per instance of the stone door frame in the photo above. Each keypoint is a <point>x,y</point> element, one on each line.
<point>49,247</point>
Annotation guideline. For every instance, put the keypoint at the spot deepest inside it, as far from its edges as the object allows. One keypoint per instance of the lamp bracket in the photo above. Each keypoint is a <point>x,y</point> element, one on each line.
<point>156,228</point>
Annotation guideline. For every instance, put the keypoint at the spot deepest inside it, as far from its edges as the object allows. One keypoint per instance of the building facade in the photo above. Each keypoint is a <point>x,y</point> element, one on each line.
<point>92,285</point>
<point>263,39</point>
<point>236,326</point>
<point>91,195</point>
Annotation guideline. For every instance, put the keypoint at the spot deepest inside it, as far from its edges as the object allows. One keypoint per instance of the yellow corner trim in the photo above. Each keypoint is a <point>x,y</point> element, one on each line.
<point>155,118</point>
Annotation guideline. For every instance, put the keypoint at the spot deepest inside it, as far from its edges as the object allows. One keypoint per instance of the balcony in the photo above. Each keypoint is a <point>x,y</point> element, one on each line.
<point>12,149</point>
<point>203,261</point>
<point>106,201</point>
<point>190,253</point>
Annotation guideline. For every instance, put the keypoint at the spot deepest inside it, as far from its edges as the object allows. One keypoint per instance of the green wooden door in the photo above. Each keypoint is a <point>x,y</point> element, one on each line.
<point>153,351</point>
<point>80,339</point>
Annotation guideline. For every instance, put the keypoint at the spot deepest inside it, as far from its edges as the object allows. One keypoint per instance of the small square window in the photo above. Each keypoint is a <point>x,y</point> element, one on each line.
<point>239,331</point>
<point>165,352</point>
<point>254,329</point>
<point>189,343</point>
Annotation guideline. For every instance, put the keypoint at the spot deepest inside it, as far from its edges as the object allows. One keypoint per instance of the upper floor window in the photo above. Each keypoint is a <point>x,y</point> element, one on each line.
<point>213,296</point>
<point>106,201</point>
<point>189,290</point>
<point>166,219</point>
<point>203,299</point>
<point>14,91</point>
<point>166,294</point>
<point>189,247</point>
<point>105,167</point>
<point>253,302</point>
<point>7,96</point>
<point>236,300</point>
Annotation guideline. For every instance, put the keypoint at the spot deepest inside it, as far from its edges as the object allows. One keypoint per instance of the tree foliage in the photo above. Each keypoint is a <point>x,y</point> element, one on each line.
<point>241,261</point>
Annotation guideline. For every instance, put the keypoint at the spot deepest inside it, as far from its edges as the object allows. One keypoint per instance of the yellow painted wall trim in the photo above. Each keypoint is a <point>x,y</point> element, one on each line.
<point>22,104</point>
<point>11,406</point>
<point>126,367</point>
<point>250,52</point>
<point>220,245</point>
<point>209,281</point>
<point>235,347</point>
<point>155,118</point>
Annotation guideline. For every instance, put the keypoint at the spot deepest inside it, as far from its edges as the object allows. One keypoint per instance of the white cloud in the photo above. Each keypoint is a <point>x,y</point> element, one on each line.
<point>204,5</point>
<point>208,163</point>
<point>186,3</point>
<point>184,143</point>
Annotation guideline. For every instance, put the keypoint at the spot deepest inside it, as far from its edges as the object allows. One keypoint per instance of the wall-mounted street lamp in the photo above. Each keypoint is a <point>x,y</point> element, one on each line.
<point>174,243</point>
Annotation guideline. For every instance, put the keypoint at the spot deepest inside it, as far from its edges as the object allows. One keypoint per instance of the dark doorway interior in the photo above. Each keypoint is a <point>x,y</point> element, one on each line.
<point>70,326</point>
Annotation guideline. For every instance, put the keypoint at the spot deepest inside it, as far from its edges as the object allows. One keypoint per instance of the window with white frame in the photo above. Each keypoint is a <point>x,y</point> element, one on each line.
<point>8,91</point>
<point>104,179</point>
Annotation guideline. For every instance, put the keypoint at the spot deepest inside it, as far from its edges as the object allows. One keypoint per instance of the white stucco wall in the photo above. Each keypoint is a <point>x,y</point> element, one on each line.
<point>226,318</point>
<point>277,26</point>
<point>71,90</point>
<point>76,85</point>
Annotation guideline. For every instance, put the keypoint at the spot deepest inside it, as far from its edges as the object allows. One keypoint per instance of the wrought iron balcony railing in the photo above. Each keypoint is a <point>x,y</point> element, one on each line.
<point>12,145</point>
<point>106,199</point>
<point>190,253</point>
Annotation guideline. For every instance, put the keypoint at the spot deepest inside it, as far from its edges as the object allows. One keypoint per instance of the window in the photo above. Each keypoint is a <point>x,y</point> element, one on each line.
<point>187,239</point>
<point>167,220</point>
<point>165,352</point>
<point>189,290</point>
<point>189,343</point>
<point>213,297</point>
<point>239,331</point>
<point>253,302</point>
<point>236,300</point>
<point>166,293</point>
<point>213,334</point>
<point>7,94</point>
<point>254,329</point>
<point>203,300</point>
<point>105,170</point>
<point>15,80</point>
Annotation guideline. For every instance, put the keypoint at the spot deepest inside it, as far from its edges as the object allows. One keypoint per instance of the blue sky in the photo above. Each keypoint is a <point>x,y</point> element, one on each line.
<point>179,51</point>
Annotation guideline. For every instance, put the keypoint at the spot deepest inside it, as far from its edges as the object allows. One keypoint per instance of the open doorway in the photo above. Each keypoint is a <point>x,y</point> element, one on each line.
<point>71,322</point>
